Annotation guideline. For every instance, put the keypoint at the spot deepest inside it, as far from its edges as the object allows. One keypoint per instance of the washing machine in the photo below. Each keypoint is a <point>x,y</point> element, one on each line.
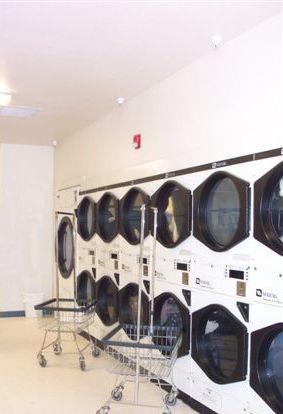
<point>65,202</point>
<point>266,356</point>
<point>217,376</point>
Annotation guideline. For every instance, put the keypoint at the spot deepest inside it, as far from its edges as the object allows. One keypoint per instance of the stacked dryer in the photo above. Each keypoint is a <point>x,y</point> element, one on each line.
<point>130,241</point>
<point>108,260</point>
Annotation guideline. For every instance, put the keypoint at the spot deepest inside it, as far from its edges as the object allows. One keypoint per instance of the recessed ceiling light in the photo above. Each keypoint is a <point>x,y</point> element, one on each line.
<point>5,99</point>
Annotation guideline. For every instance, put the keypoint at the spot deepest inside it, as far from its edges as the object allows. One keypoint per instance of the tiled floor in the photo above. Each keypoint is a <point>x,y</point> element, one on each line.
<point>61,387</point>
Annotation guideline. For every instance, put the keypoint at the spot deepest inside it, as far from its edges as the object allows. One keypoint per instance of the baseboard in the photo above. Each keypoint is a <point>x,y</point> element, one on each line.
<point>195,405</point>
<point>12,314</point>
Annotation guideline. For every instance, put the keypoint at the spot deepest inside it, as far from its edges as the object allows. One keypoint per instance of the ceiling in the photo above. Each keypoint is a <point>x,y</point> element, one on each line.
<point>72,59</point>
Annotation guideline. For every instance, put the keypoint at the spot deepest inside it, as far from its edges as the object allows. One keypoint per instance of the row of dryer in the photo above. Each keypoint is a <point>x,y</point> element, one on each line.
<point>225,295</point>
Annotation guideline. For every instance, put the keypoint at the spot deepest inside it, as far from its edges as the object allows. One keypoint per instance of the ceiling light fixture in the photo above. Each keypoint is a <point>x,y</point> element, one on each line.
<point>5,98</point>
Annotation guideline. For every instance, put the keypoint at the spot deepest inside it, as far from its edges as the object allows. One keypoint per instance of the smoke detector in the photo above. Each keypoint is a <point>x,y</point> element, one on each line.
<point>18,111</point>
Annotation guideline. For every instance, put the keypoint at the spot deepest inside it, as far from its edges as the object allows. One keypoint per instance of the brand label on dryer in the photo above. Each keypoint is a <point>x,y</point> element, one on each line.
<point>218,164</point>
<point>268,296</point>
<point>204,283</point>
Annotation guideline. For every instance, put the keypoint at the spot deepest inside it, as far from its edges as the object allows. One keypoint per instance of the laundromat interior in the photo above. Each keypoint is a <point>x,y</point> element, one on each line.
<point>141,207</point>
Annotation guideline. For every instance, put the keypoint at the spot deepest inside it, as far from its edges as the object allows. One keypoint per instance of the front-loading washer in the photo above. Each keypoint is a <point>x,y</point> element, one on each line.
<point>266,370</point>
<point>217,375</point>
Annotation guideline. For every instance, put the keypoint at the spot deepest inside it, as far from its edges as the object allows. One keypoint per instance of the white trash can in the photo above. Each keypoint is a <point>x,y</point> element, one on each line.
<point>30,300</point>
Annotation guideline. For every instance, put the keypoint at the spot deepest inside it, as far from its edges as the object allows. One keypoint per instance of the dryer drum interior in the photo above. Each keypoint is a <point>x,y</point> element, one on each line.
<point>107,300</point>
<point>268,209</point>
<point>129,306</point>
<point>108,217</point>
<point>174,209</point>
<point>267,365</point>
<point>219,344</point>
<point>65,247</point>
<point>85,288</point>
<point>169,312</point>
<point>130,220</point>
<point>86,218</point>
<point>221,211</point>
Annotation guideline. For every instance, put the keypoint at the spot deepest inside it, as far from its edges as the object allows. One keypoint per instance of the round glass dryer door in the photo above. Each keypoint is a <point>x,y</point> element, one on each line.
<point>129,306</point>
<point>107,301</point>
<point>174,211</point>
<point>65,247</point>
<point>219,344</point>
<point>130,215</point>
<point>221,211</point>
<point>268,209</point>
<point>85,289</point>
<point>86,218</point>
<point>267,365</point>
<point>108,217</point>
<point>169,312</point>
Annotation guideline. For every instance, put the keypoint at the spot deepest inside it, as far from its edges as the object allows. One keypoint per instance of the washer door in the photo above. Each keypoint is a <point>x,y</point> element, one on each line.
<point>85,288</point>
<point>174,213</point>
<point>128,313</point>
<point>107,295</point>
<point>108,217</point>
<point>65,247</point>
<point>130,215</point>
<point>268,209</point>
<point>266,369</point>
<point>219,344</point>
<point>221,211</point>
<point>169,311</point>
<point>86,218</point>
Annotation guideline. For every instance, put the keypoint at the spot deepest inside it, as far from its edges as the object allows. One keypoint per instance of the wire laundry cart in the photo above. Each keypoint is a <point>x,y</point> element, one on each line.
<point>66,316</point>
<point>142,353</point>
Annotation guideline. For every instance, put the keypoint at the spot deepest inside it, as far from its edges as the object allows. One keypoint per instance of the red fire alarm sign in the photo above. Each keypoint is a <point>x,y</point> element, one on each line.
<point>137,141</point>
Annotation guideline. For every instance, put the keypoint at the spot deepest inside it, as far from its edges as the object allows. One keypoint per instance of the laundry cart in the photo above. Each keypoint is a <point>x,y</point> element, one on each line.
<point>65,318</point>
<point>142,353</point>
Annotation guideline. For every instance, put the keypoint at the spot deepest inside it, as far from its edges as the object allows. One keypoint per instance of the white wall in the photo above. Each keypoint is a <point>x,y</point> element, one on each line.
<point>26,223</point>
<point>223,105</point>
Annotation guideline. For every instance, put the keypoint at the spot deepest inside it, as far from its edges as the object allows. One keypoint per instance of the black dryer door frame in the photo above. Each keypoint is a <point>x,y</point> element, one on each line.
<point>200,199</point>
<point>101,213</point>
<point>263,224</point>
<point>82,218</point>
<point>65,222</point>
<point>158,199</point>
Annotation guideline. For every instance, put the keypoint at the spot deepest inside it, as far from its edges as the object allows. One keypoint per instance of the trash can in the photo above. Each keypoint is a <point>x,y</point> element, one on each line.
<point>30,300</point>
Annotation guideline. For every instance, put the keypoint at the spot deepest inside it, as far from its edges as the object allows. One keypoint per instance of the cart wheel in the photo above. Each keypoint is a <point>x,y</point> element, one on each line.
<point>170,400</point>
<point>167,411</point>
<point>42,361</point>
<point>103,410</point>
<point>82,364</point>
<point>96,352</point>
<point>116,395</point>
<point>57,349</point>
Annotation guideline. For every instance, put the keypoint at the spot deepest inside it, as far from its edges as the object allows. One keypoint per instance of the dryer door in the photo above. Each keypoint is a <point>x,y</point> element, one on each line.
<point>107,295</point>
<point>221,211</point>
<point>128,313</point>
<point>107,222</point>
<point>169,311</point>
<point>85,288</point>
<point>174,213</point>
<point>219,344</point>
<point>266,369</point>
<point>65,247</point>
<point>268,209</point>
<point>130,215</point>
<point>86,218</point>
